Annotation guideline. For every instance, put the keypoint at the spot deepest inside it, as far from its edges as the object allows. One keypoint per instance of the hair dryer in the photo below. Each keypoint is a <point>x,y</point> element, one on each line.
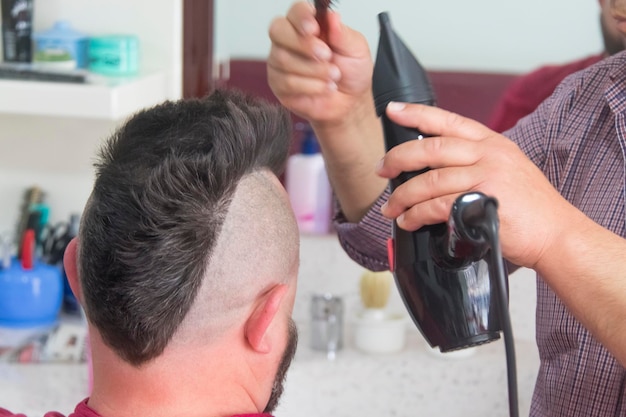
<point>451,276</point>
<point>440,269</point>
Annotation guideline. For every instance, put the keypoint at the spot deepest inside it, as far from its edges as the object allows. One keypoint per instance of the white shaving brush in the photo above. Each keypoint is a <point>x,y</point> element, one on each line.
<point>375,289</point>
<point>377,330</point>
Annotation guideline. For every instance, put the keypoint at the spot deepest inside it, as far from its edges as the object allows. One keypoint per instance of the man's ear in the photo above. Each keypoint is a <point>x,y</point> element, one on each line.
<point>261,318</point>
<point>71,268</point>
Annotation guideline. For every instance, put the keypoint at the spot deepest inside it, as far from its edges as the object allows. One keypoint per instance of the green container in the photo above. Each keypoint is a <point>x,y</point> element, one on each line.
<point>114,55</point>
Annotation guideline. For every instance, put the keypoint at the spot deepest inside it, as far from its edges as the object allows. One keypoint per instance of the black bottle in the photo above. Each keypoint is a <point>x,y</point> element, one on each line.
<point>441,273</point>
<point>17,27</point>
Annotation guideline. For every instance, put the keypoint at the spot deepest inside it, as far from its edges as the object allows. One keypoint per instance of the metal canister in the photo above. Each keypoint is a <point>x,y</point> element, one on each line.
<point>326,322</point>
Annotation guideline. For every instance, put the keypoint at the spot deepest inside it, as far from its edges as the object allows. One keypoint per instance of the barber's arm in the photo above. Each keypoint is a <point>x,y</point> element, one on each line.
<point>584,263</point>
<point>586,267</point>
<point>329,84</point>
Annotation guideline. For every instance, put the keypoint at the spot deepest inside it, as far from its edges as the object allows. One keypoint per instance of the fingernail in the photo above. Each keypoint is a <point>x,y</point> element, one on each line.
<point>335,73</point>
<point>379,165</point>
<point>332,86</point>
<point>322,53</point>
<point>308,27</point>
<point>395,106</point>
<point>383,207</point>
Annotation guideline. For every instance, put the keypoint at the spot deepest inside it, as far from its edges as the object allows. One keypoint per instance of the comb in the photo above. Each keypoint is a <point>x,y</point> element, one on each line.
<point>321,12</point>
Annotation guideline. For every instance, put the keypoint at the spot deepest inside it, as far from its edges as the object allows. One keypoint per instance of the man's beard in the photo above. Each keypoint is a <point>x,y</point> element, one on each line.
<point>612,44</point>
<point>279,380</point>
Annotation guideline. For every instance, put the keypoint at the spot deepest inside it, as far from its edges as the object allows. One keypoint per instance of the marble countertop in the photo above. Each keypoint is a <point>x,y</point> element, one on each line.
<point>416,381</point>
<point>413,382</point>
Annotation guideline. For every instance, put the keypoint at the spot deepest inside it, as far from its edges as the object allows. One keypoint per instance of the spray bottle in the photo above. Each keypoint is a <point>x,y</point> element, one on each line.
<point>307,185</point>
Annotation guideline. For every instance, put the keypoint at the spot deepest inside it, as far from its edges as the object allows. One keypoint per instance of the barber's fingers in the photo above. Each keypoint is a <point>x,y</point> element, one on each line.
<point>301,15</point>
<point>428,212</point>
<point>432,193</point>
<point>435,121</point>
<point>456,166</point>
<point>285,68</point>
<point>288,35</point>
<point>341,38</point>
<point>431,152</point>
<point>299,62</point>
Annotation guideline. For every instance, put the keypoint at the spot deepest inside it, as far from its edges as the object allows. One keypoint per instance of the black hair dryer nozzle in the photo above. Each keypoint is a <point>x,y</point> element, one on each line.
<point>440,270</point>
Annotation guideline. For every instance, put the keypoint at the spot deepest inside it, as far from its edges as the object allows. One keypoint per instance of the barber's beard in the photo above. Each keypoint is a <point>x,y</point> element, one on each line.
<point>612,43</point>
<point>285,362</point>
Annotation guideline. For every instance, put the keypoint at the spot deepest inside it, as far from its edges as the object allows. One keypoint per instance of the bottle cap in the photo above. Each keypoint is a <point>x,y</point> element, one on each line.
<point>61,29</point>
<point>310,146</point>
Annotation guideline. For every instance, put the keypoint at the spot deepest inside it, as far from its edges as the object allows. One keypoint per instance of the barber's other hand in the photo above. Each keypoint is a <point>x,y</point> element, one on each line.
<point>325,83</point>
<point>466,156</point>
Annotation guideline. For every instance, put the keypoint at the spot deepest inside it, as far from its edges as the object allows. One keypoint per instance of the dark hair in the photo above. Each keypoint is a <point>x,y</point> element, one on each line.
<point>163,186</point>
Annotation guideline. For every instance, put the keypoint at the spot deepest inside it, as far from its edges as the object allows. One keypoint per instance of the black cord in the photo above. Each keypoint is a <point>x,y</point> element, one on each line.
<point>505,320</point>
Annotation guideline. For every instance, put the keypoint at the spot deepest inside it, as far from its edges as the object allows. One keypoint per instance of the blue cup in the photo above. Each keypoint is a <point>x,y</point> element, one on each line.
<point>30,297</point>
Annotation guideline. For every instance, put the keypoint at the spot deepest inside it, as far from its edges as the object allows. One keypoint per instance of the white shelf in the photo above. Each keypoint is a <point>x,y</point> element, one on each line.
<point>91,100</point>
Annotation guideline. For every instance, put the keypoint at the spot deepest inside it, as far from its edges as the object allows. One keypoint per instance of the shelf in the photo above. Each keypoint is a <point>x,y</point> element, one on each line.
<point>97,100</point>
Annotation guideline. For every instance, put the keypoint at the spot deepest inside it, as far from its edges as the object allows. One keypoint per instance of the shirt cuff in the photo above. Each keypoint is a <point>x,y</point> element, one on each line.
<point>365,242</point>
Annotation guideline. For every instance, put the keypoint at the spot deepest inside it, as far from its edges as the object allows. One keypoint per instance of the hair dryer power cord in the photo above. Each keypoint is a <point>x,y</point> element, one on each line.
<point>497,264</point>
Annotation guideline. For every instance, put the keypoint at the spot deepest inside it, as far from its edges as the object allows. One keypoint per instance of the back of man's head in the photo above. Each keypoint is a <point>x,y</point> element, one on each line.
<point>184,224</point>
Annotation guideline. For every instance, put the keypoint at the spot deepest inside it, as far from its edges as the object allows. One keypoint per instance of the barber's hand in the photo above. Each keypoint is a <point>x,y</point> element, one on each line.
<point>466,156</point>
<point>325,83</point>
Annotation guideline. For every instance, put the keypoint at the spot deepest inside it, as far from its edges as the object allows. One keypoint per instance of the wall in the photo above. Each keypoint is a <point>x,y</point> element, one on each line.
<point>57,153</point>
<point>54,154</point>
<point>158,25</point>
<point>510,36</point>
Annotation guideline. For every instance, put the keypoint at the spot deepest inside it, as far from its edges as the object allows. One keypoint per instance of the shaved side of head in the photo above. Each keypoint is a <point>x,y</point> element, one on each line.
<point>257,248</point>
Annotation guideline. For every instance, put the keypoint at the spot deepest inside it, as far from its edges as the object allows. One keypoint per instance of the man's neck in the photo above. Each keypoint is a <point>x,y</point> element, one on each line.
<point>168,386</point>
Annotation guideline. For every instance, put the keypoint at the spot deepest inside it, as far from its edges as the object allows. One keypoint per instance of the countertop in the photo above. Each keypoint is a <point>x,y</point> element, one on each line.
<point>413,382</point>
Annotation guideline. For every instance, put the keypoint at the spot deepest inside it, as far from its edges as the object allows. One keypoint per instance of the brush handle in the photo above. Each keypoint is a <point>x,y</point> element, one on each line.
<point>321,15</point>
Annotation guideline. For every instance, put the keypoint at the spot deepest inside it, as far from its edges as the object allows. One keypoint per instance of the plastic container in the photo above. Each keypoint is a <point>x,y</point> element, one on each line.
<point>327,322</point>
<point>61,47</point>
<point>114,55</point>
<point>30,297</point>
<point>385,334</point>
<point>308,187</point>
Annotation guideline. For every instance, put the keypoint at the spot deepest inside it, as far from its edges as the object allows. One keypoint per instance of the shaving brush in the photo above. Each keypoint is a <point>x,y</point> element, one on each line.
<point>376,329</point>
<point>375,288</point>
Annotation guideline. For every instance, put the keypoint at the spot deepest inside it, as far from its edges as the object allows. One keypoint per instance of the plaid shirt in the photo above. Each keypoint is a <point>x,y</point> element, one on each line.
<point>578,138</point>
